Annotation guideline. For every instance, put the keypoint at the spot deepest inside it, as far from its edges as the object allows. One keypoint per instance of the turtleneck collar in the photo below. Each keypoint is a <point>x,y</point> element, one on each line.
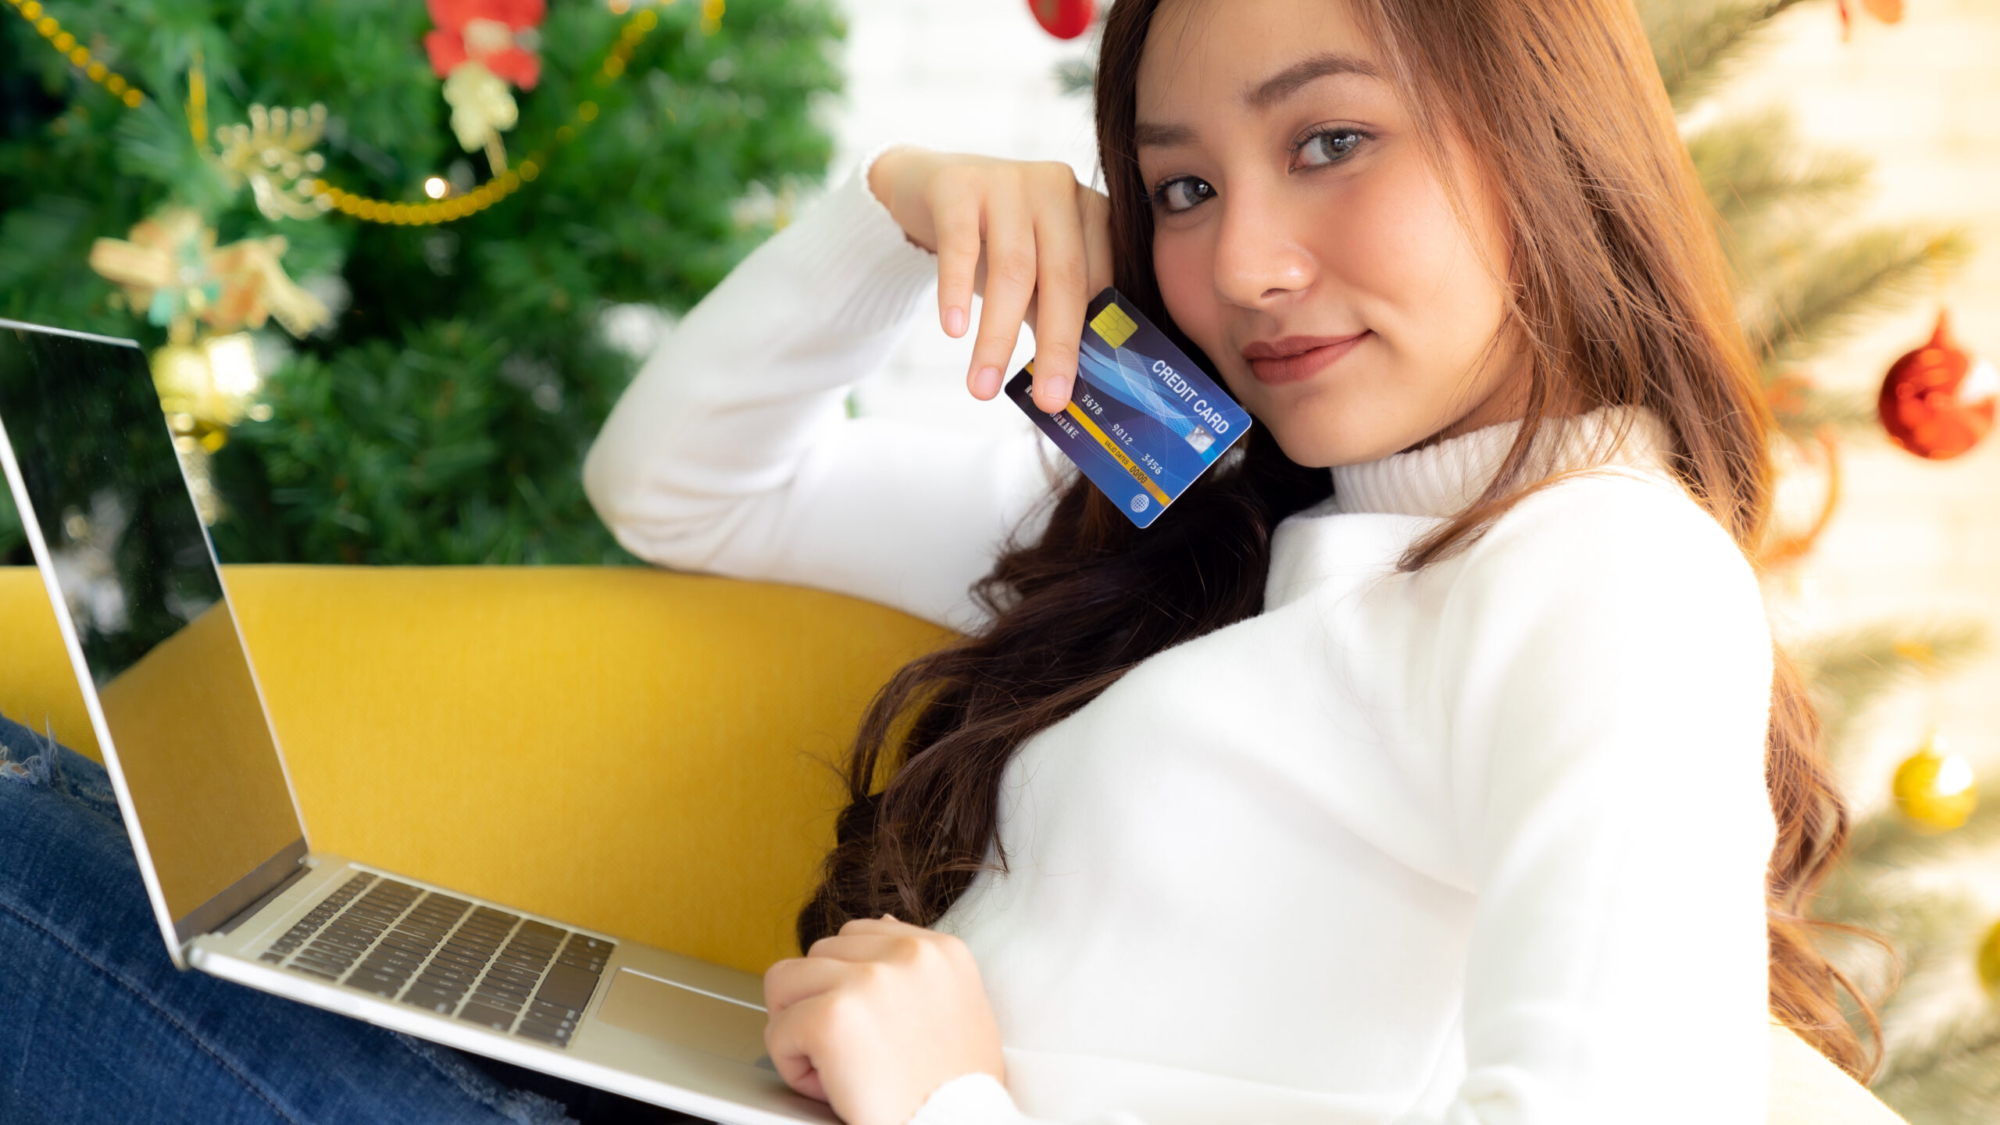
<point>1441,480</point>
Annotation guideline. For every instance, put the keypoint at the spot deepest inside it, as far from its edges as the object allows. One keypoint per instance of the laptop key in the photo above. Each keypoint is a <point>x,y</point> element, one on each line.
<point>545,1012</point>
<point>431,1000</point>
<point>323,963</point>
<point>328,958</point>
<point>554,1037</point>
<point>487,1016</point>
<point>390,952</point>
<point>567,986</point>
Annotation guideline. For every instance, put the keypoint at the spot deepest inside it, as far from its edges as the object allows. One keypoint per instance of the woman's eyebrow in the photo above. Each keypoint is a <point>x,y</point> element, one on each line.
<point>1288,81</point>
<point>1148,135</point>
<point>1274,89</point>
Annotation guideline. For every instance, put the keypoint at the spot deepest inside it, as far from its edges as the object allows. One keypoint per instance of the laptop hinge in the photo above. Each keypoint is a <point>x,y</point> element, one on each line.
<point>223,912</point>
<point>264,900</point>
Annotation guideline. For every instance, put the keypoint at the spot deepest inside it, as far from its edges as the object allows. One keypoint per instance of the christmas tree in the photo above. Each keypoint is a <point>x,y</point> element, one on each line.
<point>1806,278</point>
<point>464,190</point>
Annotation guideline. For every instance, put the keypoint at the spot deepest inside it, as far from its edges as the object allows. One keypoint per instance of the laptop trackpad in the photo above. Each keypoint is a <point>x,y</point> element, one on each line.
<point>684,1017</point>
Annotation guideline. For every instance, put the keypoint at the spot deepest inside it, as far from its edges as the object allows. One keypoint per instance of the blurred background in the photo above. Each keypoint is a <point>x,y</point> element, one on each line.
<point>394,263</point>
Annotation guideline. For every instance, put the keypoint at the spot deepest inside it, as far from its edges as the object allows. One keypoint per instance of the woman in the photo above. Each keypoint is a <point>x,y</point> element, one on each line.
<point>1436,787</point>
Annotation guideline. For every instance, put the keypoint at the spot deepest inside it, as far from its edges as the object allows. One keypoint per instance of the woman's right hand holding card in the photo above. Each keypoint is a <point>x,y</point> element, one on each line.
<point>1025,235</point>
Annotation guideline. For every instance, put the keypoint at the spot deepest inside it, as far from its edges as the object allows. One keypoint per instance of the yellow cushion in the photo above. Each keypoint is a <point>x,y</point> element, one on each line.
<point>37,685</point>
<point>646,753</point>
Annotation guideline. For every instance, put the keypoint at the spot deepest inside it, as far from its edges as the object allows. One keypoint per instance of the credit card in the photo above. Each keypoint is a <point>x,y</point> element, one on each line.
<point>1142,421</point>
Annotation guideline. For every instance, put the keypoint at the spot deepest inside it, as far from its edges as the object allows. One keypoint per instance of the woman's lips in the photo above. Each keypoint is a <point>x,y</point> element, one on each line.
<point>1297,357</point>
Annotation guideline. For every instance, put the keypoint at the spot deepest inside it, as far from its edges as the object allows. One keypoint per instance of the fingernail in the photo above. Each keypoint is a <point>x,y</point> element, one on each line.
<point>986,382</point>
<point>954,321</point>
<point>1057,388</point>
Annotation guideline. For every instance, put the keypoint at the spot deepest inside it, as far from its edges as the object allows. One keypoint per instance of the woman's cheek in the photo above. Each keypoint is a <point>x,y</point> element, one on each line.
<point>1181,266</point>
<point>1426,281</point>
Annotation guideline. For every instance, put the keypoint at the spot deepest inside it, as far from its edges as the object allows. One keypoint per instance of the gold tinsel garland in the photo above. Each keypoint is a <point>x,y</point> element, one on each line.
<point>79,56</point>
<point>327,195</point>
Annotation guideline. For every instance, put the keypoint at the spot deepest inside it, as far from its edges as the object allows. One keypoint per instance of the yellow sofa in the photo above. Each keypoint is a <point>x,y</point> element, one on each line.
<point>648,754</point>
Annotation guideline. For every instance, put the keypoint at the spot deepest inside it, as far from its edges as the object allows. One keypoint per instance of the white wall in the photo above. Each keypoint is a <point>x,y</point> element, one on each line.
<point>963,75</point>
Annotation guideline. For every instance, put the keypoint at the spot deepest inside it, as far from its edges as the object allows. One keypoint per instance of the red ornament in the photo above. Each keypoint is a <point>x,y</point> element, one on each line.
<point>488,32</point>
<point>1888,11</point>
<point>1938,401</point>
<point>1064,19</point>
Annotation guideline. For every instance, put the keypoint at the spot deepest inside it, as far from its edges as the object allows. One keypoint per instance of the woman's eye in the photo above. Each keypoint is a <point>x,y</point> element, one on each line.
<point>1179,195</point>
<point>1329,147</point>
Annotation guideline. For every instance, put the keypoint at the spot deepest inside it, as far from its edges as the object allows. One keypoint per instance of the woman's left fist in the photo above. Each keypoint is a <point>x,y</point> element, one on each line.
<point>875,1018</point>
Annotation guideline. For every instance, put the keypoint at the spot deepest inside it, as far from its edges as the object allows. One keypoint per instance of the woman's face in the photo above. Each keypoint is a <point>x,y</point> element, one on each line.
<point>1304,241</point>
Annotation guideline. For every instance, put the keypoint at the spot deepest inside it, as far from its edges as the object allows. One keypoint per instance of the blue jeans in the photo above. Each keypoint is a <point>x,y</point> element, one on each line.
<point>97,1027</point>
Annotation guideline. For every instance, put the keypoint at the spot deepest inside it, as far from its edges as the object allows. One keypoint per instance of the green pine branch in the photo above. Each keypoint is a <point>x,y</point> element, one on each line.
<point>1802,412</point>
<point>1918,923</point>
<point>1693,42</point>
<point>1851,671</point>
<point>1078,76</point>
<point>1951,1077</point>
<point>1752,170</point>
<point>1887,841</point>
<point>1889,908</point>
<point>1806,294</point>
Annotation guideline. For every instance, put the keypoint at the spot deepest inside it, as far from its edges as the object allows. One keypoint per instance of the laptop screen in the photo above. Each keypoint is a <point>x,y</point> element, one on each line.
<point>94,470</point>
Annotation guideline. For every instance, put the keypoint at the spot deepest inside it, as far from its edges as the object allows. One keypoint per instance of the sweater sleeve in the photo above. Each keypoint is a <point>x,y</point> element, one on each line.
<point>731,451</point>
<point>1602,671</point>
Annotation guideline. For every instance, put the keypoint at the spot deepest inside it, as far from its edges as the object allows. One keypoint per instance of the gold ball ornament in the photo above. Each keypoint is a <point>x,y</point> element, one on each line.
<point>1989,959</point>
<point>1934,789</point>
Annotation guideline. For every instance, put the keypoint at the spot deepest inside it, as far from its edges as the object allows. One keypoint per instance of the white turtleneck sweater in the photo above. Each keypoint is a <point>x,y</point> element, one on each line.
<point>1480,845</point>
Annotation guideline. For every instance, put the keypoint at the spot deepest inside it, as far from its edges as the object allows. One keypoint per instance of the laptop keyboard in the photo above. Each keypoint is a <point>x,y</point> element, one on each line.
<point>448,956</point>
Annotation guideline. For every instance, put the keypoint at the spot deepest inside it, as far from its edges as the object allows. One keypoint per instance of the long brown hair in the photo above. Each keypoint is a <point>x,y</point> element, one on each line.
<point>1621,293</point>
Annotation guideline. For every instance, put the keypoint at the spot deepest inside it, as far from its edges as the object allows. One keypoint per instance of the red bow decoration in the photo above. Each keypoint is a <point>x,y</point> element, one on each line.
<point>487,32</point>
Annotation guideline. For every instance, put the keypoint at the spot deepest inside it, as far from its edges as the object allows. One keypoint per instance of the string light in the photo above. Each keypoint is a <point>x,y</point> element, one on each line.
<point>443,207</point>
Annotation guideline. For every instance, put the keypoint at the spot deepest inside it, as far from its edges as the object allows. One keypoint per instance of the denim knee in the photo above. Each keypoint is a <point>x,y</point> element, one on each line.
<point>39,760</point>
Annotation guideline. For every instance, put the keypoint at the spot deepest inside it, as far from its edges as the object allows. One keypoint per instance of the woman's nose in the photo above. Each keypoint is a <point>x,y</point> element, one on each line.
<point>1260,258</point>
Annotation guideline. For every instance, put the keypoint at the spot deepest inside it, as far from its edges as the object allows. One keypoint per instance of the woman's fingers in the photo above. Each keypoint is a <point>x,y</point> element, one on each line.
<point>832,960</point>
<point>1010,282</point>
<point>877,1016</point>
<point>1060,298</point>
<point>956,212</point>
<point>798,979</point>
<point>788,1038</point>
<point>1030,240</point>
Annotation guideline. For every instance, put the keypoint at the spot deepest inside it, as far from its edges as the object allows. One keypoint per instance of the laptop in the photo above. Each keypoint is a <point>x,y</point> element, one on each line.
<point>237,888</point>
